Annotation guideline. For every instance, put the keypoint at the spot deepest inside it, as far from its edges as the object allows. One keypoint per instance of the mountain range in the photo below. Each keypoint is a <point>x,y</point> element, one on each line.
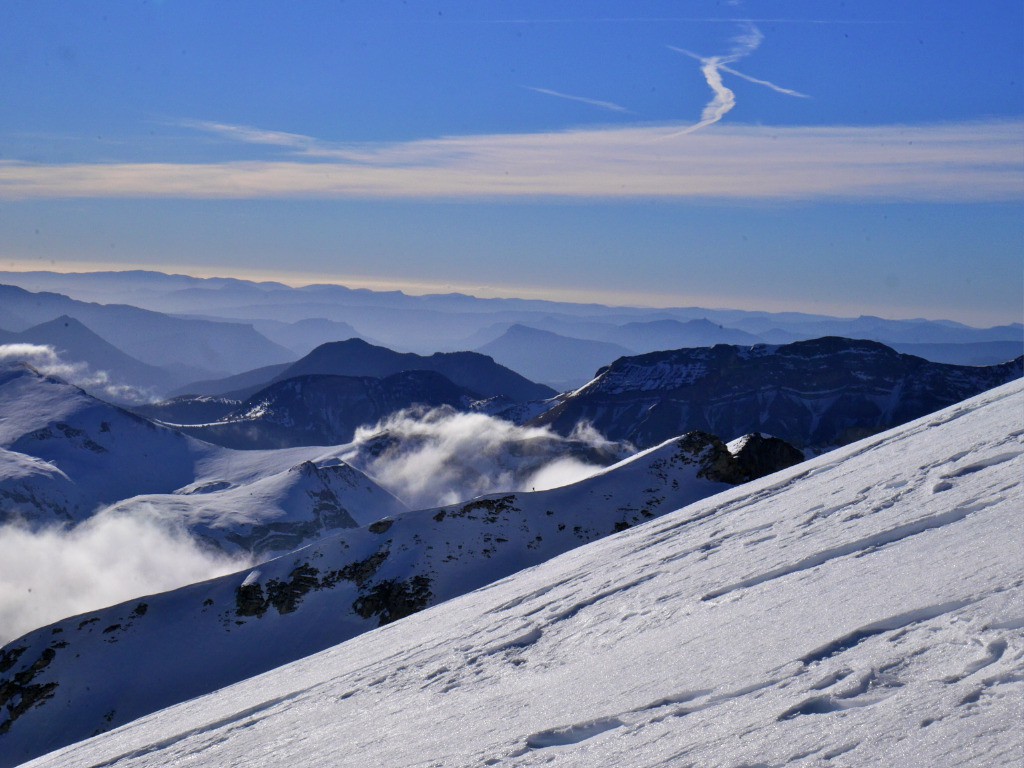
<point>188,347</point>
<point>65,455</point>
<point>356,357</point>
<point>853,609</point>
<point>611,596</point>
<point>237,626</point>
<point>74,342</point>
<point>815,394</point>
<point>426,324</point>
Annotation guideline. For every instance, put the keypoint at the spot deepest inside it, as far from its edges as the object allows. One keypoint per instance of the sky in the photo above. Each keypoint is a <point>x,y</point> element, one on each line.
<point>843,157</point>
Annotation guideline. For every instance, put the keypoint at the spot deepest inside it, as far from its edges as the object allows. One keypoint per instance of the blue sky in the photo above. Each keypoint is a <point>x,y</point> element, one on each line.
<point>846,157</point>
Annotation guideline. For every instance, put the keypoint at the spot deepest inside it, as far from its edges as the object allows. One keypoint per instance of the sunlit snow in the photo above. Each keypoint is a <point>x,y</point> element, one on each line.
<point>863,608</point>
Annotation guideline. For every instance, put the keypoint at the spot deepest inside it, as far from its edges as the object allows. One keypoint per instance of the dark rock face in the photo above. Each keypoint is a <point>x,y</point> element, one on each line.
<point>391,599</point>
<point>470,370</point>
<point>286,595</point>
<point>760,456</point>
<point>327,409</point>
<point>18,694</point>
<point>818,393</point>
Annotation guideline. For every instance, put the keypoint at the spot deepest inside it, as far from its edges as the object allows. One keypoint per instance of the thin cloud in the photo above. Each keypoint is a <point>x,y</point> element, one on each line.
<point>748,78</point>
<point>45,359</point>
<point>250,135</point>
<point>609,105</point>
<point>724,99</point>
<point>960,162</point>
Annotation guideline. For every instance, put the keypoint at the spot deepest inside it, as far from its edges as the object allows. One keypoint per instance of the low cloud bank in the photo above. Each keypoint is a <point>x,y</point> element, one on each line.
<point>45,359</point>
<point>433,457</point>
<point>54,573</point>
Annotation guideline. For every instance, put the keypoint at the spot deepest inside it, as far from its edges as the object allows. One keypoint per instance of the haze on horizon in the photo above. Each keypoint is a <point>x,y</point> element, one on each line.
<point>788,155</point>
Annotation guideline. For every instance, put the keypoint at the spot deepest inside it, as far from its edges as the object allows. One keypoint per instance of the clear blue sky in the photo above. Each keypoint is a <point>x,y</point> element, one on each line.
<point>848,157</point>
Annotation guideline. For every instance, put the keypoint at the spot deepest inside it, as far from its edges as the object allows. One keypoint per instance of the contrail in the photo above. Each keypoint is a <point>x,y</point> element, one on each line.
<point>725,68</point>
<point>766,83</point>
<point>712,68</point>
<point>610,105</point>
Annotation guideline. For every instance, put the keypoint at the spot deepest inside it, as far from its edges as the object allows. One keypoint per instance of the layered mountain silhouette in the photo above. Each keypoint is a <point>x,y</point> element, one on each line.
<point>75,343</point>
<point>189,347</point>
<point>355,357</point>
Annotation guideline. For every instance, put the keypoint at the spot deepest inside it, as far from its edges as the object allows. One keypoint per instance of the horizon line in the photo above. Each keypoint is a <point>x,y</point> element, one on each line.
<point>426,289</point>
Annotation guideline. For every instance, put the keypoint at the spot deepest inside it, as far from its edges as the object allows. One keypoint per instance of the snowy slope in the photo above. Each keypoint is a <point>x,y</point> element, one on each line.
<point>64,455</point>
<point>101,453</point>
<point>275,513</point>
<point>864,608</point>
<point>83,673</point>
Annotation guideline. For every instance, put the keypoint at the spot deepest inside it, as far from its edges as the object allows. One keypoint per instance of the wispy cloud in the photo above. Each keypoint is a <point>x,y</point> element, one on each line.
<point>712,67</point>
<point>430,457</point>
<point>251,135</point>
<point>951,162</point>
<point>742,76</point>
<point>45,359</point>
<point>609,105</point>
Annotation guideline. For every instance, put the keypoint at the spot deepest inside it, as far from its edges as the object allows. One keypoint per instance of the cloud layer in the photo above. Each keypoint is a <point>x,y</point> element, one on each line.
<point>960,162</point>
<point>436,457</point>
<point>48,575</point>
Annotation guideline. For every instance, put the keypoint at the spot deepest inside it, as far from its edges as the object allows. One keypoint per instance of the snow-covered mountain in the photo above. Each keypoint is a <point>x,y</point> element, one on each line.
<point>863,608</point>
<point>77,452</point>
<point>74,678</point>
<point>64,455</point>
<point>817,394</point>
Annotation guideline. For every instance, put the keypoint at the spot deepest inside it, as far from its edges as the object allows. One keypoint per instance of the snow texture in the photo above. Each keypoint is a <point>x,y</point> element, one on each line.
<point>863,608</point>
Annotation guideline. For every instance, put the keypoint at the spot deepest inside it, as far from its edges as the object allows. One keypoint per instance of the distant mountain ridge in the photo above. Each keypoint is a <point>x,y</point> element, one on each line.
<point>817,393</point>
<point>560,361</point>
<point>456,321</point>
<point>324,409</point>
<point>354,357</point>
<point>471,370</point>
<point>76,343</point>
<point>154,338</point>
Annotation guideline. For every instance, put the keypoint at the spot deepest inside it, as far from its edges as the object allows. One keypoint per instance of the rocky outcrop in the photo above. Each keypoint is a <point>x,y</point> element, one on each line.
<point>758,455</point>
<point>813,394</point>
